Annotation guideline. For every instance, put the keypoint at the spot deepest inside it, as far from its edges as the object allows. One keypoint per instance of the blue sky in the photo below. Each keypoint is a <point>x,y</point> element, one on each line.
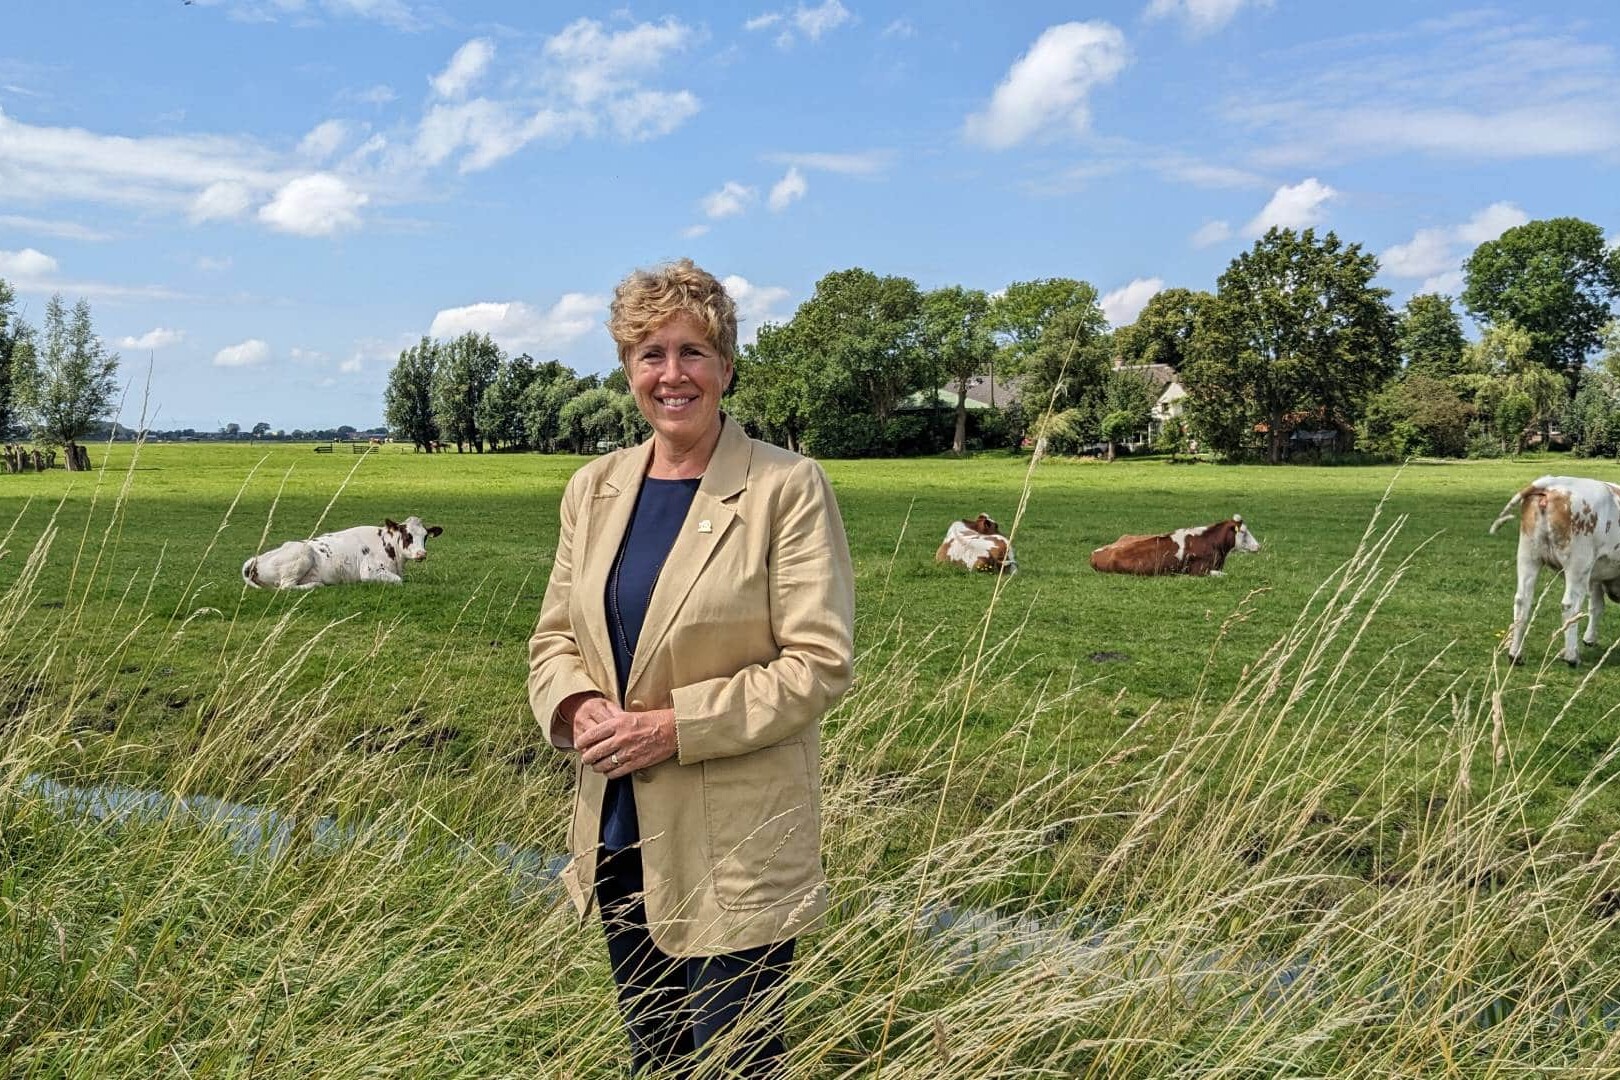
<point>269,198</point>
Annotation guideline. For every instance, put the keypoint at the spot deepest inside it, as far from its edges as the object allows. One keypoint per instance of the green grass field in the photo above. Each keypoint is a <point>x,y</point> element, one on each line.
<point>1320,755</point>
<point>451,673</point>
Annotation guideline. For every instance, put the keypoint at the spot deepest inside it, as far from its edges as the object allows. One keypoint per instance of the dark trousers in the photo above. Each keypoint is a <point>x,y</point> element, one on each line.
<point>671,1005</point>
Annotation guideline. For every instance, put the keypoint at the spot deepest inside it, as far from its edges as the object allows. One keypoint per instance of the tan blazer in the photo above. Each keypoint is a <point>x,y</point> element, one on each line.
<point>749,638</point>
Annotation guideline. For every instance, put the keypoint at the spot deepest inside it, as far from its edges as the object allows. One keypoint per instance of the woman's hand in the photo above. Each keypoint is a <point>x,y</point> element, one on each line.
<point>616,742</point>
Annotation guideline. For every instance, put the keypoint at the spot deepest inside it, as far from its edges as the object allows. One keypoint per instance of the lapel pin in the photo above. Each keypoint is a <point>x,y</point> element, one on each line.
<point>704,526</point>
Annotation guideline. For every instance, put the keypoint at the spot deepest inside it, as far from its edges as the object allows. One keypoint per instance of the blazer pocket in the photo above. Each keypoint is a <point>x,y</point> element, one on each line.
<point>762,824</point>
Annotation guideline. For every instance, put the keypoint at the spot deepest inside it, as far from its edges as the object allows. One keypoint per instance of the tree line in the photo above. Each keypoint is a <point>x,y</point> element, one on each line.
<point>1295,347</point>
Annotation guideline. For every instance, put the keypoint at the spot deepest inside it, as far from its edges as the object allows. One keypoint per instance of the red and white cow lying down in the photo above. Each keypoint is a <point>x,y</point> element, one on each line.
<point>977,544</point>
<point>363,553</point>
<point>1197,551</point>
<point>1571,524</point>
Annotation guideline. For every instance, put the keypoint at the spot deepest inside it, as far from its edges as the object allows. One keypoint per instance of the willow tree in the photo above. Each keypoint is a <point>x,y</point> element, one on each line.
<point>72,387</point>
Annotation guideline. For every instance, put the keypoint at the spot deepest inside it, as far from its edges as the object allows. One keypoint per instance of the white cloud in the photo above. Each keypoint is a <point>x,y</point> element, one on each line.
<point>244,354</point>
<point>788,190</point>
<point>1491,223</point>
<point>380,94</point>
<point>1211,232</point>
<point>899,28</point>
<point>1046,89</point>
<point>816,21</point>
<point>1493,86</point>
<point>1125,303</point>
<point>323,140</point>
<point>315,205</point>
<point>1201,16</point>
<point>66,230</point>
<point>1436,253</point>
<point>692,232</point>
<point>351,366</point>
<point>27,263</point>
<point>648,114</point>
<point>756,305</point>
<point>593,64</point>
<point>211,264</point>
<point>732,199</point>
<point>221,201</point>
<point>158,338</point>
<point>1429,252</point>
<point>518,326</point>
<point>1292,206</point>
<point>466,67</point>
<point>862,163</point>
<point>1449,283</point>
<point>810,22</point>
<point>489,131</point>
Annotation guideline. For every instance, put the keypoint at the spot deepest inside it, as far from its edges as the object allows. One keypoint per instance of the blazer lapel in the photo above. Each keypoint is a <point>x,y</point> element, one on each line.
<point>607,518</point>
<point>714,504</point>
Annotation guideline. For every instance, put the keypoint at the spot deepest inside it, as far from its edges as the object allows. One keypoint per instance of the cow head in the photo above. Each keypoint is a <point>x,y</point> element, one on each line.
<point>412,536</point>
<point>1243,539</point>
<point>984,525</point>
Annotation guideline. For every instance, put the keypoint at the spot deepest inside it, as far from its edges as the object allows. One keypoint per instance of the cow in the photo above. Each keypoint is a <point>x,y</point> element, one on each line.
<point>1196,551</point>
<point>977,544</point>
<point>363,553</point>
<point>1570,524</point>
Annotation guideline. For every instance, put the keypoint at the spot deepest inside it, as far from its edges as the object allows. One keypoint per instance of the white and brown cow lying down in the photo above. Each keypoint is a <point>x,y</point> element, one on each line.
<point>363,553</point>
<point>1197,551</point>
<point>977,544</point>
<point>1569,524</point>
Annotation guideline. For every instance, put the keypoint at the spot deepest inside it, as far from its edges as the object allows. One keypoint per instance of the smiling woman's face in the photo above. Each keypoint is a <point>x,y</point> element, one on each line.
<point>677,378</point>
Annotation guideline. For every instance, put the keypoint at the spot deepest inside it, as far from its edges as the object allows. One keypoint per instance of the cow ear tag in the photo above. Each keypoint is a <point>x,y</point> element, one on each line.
<point>705,526</point>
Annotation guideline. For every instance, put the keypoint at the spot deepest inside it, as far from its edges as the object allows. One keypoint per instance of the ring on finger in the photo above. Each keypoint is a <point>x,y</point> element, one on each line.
<point>614,757</point>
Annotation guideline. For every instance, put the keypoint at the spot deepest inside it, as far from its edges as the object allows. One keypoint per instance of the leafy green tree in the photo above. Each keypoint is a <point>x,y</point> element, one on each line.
<point>1296,327</point>
<point>73,386</point>
<point>260,429</point>
<point>1592,420</point>
<point>1504,355</point>
<point>408,401</point>
<point>1024,311</point>
<point>1555,279</point>
<point>597,416</point>
<point>467,366</point>
<point>1163,331</point>
<point>1127,407</point>
<point>866,328</point>
<point>500,411</point>
<point>956,333</point>
<point>1610,361</point>
<point>1417,414</point>
<point>617,380</point>
<point>773,391</point>
<point>16,353</point>
<point>1055,340</point>
<point>552,387</point>
<point>1431,337</point>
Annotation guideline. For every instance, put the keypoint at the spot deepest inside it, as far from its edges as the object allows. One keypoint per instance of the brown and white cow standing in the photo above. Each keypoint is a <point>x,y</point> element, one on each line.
<point>363,553</point>
<point>1570,524</point>
<point>1197,551</point>
<point>977,544</point>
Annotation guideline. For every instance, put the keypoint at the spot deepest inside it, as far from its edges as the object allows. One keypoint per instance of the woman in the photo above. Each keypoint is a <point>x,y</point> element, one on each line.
<point>697,624</point>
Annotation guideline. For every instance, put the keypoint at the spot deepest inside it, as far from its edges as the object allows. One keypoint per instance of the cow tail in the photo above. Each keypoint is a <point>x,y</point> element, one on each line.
<point>1511,509</point>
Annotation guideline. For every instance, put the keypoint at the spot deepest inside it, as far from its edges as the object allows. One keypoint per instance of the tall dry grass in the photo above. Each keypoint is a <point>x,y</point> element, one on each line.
<point>1230,891</point>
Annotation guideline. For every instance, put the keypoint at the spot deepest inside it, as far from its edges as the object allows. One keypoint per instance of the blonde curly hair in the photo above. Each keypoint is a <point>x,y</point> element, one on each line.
<point>646,299</point>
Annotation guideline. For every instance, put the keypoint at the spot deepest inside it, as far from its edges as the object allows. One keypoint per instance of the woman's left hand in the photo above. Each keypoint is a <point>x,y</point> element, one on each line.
<point>626,741</point>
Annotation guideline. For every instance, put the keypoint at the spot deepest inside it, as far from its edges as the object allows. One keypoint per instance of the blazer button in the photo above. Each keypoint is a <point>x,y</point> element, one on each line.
<point>638,706</point>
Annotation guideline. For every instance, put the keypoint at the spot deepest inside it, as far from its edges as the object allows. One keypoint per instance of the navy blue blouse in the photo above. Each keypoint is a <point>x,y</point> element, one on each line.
<point>654,523</point>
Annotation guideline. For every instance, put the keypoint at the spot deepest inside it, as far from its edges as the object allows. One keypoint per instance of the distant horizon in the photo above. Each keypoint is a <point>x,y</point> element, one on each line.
<point>269,232</point>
